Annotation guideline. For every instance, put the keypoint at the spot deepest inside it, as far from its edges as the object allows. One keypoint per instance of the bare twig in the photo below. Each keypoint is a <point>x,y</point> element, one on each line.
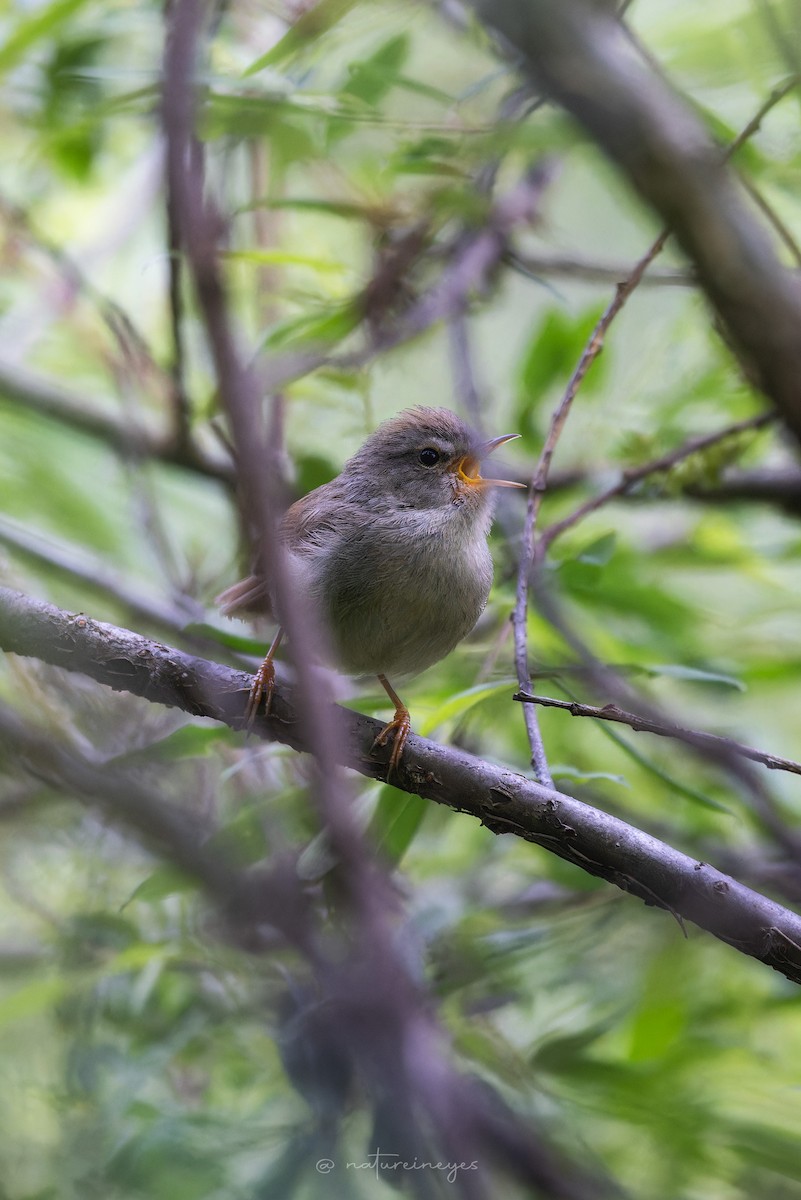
<point>609,682</point>
<point>610,712</point>
<point>755,124</point>
<point>782,229</point>
<point>531,552</point>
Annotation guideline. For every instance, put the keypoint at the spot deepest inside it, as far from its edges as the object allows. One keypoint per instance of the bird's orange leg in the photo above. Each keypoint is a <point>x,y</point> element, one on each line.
<point>263,684</point>
<point>400,726</point>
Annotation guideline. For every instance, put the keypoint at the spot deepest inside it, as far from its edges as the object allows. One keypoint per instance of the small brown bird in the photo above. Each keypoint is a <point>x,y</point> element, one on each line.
<point>393,554</point>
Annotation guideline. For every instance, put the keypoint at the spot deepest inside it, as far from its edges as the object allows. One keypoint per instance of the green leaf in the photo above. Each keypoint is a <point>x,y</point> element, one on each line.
<point>345,209</point>
<point>44,23</point>
<point>279,258</point>
<point>36,997</point>
<point>257,647</point>
<point>241,840</point>
<point>316,859</point>
<point>190,741</point>
<point>291,134</point>
<point>322,17</point>
<point>577,775</point>
<point>553,352</point>
<point>314,328</point>
<point>696,675</point>
<point>372,78</point>
<point>463,702</point>
<point>395,822</point>
<point>599,552</point>
<point>674,785</point>
<point>166,880</point>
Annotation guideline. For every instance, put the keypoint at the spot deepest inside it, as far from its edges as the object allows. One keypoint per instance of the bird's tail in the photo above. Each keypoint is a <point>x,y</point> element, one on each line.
<point>250,595</point>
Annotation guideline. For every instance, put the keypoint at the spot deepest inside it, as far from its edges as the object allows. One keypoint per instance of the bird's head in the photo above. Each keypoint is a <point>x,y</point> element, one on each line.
<point>426,458</point>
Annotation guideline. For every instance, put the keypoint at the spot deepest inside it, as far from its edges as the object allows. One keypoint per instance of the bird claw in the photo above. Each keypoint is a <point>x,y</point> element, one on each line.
<point>400,726</point>
<point>262,688</point>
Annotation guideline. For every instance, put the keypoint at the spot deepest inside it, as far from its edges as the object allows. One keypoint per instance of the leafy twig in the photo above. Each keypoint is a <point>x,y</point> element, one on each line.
<point>634,475</point>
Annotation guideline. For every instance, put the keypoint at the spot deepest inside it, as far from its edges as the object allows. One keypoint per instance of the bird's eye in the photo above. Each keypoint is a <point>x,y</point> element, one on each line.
<point>428,457</point>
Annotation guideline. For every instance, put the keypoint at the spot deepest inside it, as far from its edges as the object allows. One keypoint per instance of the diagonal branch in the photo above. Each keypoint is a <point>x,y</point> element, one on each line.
<point>582,56</point>
<point>37,393</point>
<point>502,800</point>
<point>640,724</point>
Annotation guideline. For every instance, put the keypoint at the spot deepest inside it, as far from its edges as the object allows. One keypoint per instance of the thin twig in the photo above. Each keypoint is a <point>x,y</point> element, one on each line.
<point>609,682</point>
<point>538,266</point>
<point>611,712</point>
<point>531,551</point>
<point>74,561</point>
<point>754,125</point>
<point>782,229</point>
<point>50,399</point>
<point>581,55</point>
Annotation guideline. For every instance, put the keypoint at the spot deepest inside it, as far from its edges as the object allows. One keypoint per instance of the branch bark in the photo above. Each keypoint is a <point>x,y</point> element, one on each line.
<point>502,800</point>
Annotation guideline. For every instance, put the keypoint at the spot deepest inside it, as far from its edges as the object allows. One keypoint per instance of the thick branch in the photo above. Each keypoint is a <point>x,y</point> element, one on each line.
<point>502,800</point>
<point>581,54</point>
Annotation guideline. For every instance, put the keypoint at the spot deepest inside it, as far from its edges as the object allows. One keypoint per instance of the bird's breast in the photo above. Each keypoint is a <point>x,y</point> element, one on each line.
<point>394,603</point>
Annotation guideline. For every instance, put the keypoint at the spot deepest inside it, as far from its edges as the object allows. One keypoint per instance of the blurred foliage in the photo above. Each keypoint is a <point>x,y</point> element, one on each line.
<point>141,1055</point>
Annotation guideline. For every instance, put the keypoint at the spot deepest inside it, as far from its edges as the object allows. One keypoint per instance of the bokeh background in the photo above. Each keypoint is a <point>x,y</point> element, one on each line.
<point>139,1054</point>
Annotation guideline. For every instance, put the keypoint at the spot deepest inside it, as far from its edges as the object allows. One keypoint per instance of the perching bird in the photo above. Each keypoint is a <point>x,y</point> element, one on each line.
<point>392,553</point>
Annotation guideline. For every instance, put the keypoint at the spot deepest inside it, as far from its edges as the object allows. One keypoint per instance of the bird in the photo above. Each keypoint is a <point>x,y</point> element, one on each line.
<point>392,553</point>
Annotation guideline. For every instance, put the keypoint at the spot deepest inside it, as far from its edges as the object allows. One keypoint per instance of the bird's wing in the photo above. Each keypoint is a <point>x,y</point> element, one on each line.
<point>313,523</point>
<point>318,521</point>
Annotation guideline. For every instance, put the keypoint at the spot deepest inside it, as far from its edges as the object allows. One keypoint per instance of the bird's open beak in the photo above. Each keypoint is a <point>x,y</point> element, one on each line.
<point>468,469</point>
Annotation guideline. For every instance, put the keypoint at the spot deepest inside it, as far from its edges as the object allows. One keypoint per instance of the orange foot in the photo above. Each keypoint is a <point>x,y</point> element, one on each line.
<point>400,726</point>
<point>262,688</point>
<point>263,684</point>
